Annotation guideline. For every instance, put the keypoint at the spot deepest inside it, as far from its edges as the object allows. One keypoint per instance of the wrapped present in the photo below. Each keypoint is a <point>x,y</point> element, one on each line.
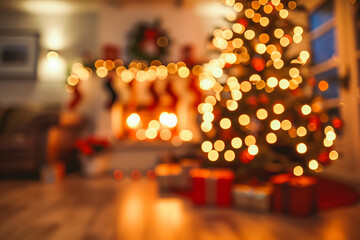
<point>242,195</point>
<point>212,187</point>
<point>198,177</point>
<point>255,198</point>
<point>167,175</point>
<point>184,181</point>
<point>302,196</point>
<point>294,195</point>
<point>225,179</point>
<point>261,198</point>
<point>281,192</point>
<point>53,173</point>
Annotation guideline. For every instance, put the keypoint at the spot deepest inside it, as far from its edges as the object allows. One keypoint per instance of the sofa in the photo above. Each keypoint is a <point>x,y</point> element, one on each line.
<point>24,134</point>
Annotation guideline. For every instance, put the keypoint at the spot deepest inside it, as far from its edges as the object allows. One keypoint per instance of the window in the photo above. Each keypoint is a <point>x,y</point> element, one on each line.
<point>323,45</point>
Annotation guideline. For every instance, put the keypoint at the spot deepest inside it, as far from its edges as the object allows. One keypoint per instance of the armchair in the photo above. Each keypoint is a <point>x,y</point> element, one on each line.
<point>23,140</point>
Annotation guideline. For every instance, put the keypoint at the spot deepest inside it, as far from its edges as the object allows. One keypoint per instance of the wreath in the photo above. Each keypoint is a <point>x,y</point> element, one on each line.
<point>148,42</point>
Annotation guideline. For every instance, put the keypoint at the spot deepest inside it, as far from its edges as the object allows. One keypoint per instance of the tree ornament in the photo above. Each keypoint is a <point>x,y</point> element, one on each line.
<point>243,21</point>
<point>324,157</point>
<point>258,63</point>
<point>245,157</point>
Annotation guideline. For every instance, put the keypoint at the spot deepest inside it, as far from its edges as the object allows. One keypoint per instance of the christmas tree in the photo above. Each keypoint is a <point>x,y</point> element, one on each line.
<point>262,114</point>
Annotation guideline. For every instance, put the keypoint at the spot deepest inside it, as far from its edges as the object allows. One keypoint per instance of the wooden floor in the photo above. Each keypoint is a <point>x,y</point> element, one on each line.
<point>103,209</point>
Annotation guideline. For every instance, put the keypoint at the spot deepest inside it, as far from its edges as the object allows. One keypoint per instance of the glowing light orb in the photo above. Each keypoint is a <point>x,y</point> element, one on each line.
<point>133,120</point>
<point>168,119</point>
<point>301,148</point>
<point>298,171</point>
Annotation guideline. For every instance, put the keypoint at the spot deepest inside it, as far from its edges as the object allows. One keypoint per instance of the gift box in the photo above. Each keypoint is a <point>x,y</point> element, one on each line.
<point>198,177</point>
<point>242,196</point>
<point>184,181</point>
<point>53,173</point>
<point>302,196</point>
<point>281,192</point>
<point>261,198</point>
<point>294,195</point>
<point>225,179</point>
<point>255,198</point>
<point>212,187</point>
<point>168,175</point>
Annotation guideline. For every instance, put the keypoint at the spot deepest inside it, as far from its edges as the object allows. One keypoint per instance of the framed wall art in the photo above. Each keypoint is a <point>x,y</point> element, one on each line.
<point>18,54</point>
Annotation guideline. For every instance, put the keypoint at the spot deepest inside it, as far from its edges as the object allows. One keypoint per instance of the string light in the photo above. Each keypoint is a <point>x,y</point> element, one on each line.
<point>219,145</point>
<point>250,140</point>
<point>165,134</point>
<point>333,155</point>
<point>229,155</point>
<point>262,114</point>
<point>306,109</point>
<point>236,142</point>
<point>298,171</point>
<point>271,138</point>
<point>244,120</point>
<point>133,120</point>
<point>225,123</point>
<point>186,135</point>
<point>206,146</point>
<point>301,148</point>
<point>253,150</point>
<point>275,125</point>
<point>313,165</point>
<point>213,155</point>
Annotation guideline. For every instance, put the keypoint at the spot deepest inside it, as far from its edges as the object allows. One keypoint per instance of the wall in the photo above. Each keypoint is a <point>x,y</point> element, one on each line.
<point>185,25</point>
<point>69,34</point>
<point>72,32</point>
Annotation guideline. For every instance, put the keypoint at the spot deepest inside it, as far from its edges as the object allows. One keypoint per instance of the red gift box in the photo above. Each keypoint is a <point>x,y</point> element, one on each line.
<point>212,186</point>
<point>294,195</point>
<point>198,177</point>
<point>280,192</point>
<point>302,196</point>
<point>223,188</point>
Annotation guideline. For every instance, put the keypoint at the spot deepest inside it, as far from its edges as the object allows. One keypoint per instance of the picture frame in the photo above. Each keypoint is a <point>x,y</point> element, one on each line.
<point>18,54</point>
